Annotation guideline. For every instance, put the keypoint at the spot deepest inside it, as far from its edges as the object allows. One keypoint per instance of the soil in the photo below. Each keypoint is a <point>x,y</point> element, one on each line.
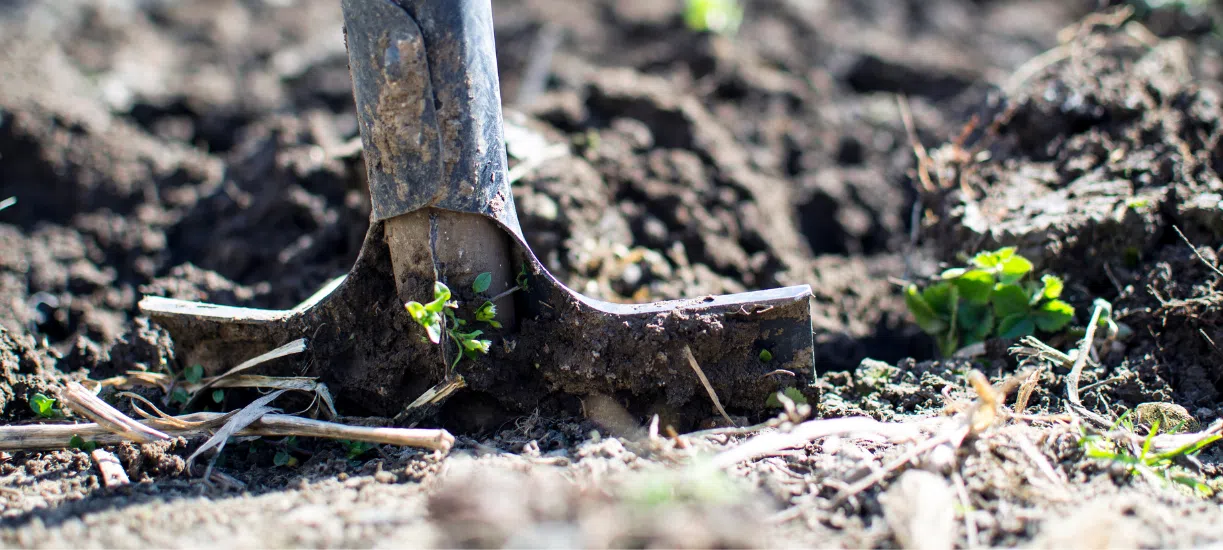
<point>204,151</point>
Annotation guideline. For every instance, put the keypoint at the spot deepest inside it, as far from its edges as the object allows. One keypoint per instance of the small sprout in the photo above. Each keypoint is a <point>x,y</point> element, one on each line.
<point>765,355</point>
<point>1137,203</point>
<point>429,315</point>
<point>487,313</point>
<point>355,449</point>
<point>218,396</point>
<point>194,374</point>
<point>482,282</point>
<point>284,458</point>
<point>77,442</point>
<point>719,16</point>
<point>43,406</point>
<point>179,396</point>
<point>791,392</point>
<point>522,280</point>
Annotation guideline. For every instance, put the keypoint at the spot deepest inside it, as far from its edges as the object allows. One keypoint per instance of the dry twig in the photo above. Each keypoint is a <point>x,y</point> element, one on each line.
<point>717,403</point>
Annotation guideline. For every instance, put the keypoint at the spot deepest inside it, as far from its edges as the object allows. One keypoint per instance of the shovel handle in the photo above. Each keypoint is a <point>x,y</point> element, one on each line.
<point>429,106</point>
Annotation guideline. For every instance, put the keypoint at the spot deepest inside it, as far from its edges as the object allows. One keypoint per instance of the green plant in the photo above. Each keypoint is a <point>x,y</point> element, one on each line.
<point>791,392</point>
<point>43,406</point>
<point>218,396</point>
<point>993,296</point>
<point>719,16</point>
<point>1156,466</point>
<point>765,356</point>
<point>77,442</point>
<point>194,374</point>
<point>438,316</point>
<point>354,449</point>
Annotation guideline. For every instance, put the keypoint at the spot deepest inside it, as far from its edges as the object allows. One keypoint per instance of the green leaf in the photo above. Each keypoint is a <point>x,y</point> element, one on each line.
<point>482,282</point>
<point>284,458</point>
<point>441,291</point>
<point>953,273</point>
<point>765,355</point>
<point>791,392</point>
<point>434,330</point>
<point>481,346</point>
<point>923,314</point>
<point>179,396</point>
<point>487,312</point>
<point>1053,315</point>
<point>522,280</point>
<point>1008,300</point>
<point>938,296</point>
<point>441,294</point>
<point>77,442</point>
<point>975,286</point>
<point>218,396</point>
<point>194,374</point>
<point>975,321</point>
<point>42,405</point>
<point>1053,286</point>
<point>993,259</point>
<point>417,311</point>
<point>1014,268</point>
<point>1016,326</point>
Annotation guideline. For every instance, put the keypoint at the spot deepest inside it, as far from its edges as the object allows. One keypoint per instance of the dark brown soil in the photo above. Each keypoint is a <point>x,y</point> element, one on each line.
<point>204,151</point>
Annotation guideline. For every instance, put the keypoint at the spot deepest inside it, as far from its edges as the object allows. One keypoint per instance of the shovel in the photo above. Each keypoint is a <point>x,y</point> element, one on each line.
<point>428,102</point>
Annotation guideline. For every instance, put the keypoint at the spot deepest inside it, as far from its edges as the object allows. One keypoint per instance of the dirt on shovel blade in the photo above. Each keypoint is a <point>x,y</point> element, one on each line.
<point>209,151</point>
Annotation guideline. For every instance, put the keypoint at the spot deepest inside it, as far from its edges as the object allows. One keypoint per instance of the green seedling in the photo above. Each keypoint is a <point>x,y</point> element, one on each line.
<point>180,396</point>
<point>1155,466</point>
<point>718,16</point>
<point>43,406</point>
<point>791,392</point>
<point>218,396</point>
<point>354,449</point>
<point>438,316</point>
<point>284,458</point>
<point>194,374</point>
<point>994,296</point>
<point>77,442</point>
<point>765,356</point>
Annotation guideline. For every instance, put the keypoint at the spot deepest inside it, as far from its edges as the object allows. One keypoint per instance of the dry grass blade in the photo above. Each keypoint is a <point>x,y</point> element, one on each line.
<point>717,403</point>
<point>243,418</point>
<point>1076,372</point>
<point>85,403</point>
<point>294,347</point>
<point>1026,389</point>
<point>768,443</point>
<point>292,383</point>
<point>34,437</point>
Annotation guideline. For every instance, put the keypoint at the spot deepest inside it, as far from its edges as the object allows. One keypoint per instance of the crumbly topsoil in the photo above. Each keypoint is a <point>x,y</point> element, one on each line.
<point>203,150</point>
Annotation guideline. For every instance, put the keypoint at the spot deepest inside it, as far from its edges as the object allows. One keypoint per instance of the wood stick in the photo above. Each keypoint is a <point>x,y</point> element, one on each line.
<point>34,437</point>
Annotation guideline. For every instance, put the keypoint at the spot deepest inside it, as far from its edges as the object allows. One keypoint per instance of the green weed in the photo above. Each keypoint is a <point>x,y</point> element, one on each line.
<point>1156,466</point>
<point>77,442</point>
<point>994,296</point>
<point>791,392</point>
<point>438,316</point>
<point>719,16</point>
<point>43,406</point>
